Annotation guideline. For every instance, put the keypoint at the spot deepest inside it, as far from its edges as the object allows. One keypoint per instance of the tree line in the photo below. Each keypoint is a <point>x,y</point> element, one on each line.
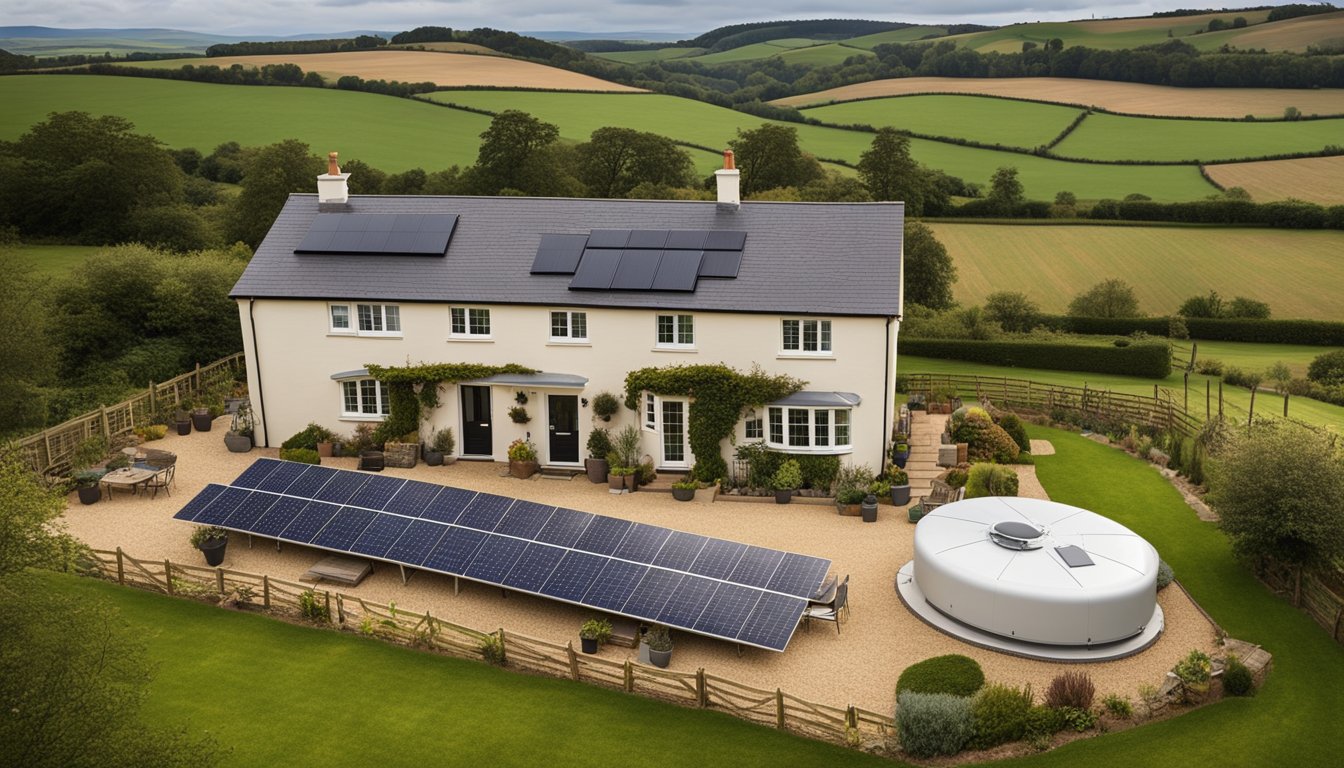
<point>359,42</point>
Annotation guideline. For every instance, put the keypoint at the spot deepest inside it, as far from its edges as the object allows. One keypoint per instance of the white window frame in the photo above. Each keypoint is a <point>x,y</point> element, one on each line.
<point>375,409</point>
<point>386,316</point>
<point>682,323</point>
<point>469,316</point>
<point>569,316</point>
<point>754,428</point>
<point>820,430</point>
<point>650,412</point>
<point>822,335</point>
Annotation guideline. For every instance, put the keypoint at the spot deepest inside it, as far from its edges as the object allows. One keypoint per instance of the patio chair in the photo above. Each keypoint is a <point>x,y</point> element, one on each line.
<point>833,610</point>
<point>161,479</point>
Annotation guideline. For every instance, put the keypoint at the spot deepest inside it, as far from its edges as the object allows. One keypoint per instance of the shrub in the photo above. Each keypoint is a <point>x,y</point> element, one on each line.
<point>1148,359</point>
<point>645,473</point>
<point>1209,366</point>
<point>1118,706</point>
<point>207,533</point>
<point>599,443</point>
<point>605,405</point>
<point>309,437</point>
<point>1194,669</point>
<point>492,650</point>
<point>854,477</point>
<point>1328,368</point>
<point>932,724</point>
<point>1078,719</point>
<point>1165,575</point>
<point>596,629</point>
<point>1237,678</point>
<point>522,450</point>
<point>1001,713</point>
<point>1013,425</point>
<point>1071,689</point>
<point>789,477</point>
<point>626,445</point>
<point>986,440</point>
<point>301,455</point>
<point>1177,329</point>
<point>954,674</point>
<point>956,477</point>
<point>1042,723</point>
<point>991,480</point>
<point>312,607</point>
<point>444,442</point>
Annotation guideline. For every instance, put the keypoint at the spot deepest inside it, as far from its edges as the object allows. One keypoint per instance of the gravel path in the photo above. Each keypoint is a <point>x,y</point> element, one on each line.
<point>1042,448</point>
<point>859,665</point>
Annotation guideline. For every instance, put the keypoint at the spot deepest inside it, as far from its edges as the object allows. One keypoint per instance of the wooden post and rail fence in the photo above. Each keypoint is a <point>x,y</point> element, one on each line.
<point>774,708</point>
<point>49,452</point>
<point>1161,410</point>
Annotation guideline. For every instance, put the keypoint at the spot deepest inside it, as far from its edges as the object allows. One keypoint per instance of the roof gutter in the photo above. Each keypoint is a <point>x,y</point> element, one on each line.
<point>256,358</point>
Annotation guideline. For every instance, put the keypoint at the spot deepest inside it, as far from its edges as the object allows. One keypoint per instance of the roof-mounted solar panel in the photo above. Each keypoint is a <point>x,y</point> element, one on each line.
<point>379,234</point>
<point>558,254</point>
<point>608,238</point>
<point>721,264</point>
<point>1074,556</point>
<point>686,239</point>
<point>596,270</point>
<point>725,240</point>
<point>647,238</point>
<point>677,271</point>
<point>636,270</point>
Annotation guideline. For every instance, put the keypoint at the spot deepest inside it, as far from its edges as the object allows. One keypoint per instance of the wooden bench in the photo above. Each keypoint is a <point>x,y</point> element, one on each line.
<point>941,494</point>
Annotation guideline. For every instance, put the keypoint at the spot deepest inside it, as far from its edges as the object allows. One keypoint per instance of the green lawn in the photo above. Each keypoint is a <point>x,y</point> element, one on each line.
<point>1298,272</point>
<point>1294,718</point>
<point>1112,137</point>
<point>579,114</point>
<point>278,694</point>
<point>1236,400</point>
<point>389,133</point>
<point>55,260</point>
<point>987,120</point>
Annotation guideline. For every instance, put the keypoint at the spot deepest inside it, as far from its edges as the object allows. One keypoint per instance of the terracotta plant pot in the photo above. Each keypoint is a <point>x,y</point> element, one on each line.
<point>324,450</point>
<point>849,510</point>
<point>616,483</point>
<point>523,469</point>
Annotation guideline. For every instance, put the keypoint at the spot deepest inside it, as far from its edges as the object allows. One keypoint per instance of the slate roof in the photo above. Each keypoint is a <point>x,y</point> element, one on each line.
<point>804,258</point>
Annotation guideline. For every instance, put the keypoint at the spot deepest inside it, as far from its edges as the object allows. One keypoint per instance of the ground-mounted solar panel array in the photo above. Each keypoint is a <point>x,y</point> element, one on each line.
<point>724,589</point>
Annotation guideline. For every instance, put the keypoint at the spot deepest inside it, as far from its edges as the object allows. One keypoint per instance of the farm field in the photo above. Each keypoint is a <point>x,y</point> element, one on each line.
<point>391,134</point>
<point>446,69</point>
<point>1112,137</point>
<point>794,50</point>
<point>1295,35</point>
<point>1107,34</point>
<point>990,121</point>
<point>1298,272</point>
<point>1236,401</point>
<point>907,35</point>
<point>1130,98</point>
<point>1315,179</point>
<point>639,57</point>
<point>53,260</point>
<point>1253,357</point>
<point>446,47</point>
<point>695,122</point>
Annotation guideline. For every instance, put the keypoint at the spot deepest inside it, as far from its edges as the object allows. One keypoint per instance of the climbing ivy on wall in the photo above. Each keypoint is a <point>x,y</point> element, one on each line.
<point>719,394</point>
<point>406,407</point>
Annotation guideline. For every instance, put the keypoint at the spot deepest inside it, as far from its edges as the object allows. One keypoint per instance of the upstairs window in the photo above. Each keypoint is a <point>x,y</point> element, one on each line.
<point>806,337</point>
<point>469,323</point>
<point>569,326</point>
<point>676,331</point>
<point>369,319</point>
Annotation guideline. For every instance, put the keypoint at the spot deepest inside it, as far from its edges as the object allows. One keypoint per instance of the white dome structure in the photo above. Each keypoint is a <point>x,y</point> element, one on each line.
<point>1015,572</point>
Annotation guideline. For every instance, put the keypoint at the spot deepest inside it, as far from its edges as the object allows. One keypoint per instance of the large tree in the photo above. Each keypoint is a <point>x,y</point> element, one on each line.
<point>616,160</point>
<point>27,358</point>
<point>510,154</point>
<point>929,271</point>
<point>891,174</point>
<point>769,157</point>
<point>1004,187</point>
<point>1109,298</point>
<point>269,176</point>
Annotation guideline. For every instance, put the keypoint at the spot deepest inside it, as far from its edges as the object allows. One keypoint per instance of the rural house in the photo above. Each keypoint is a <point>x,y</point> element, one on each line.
<point>581,291</point>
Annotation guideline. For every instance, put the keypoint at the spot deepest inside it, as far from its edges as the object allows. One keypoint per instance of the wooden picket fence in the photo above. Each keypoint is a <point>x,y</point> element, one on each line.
<point>845,725</point>
<point>1161,410</point>
<point>1319,593</point>
<point>48,452</point>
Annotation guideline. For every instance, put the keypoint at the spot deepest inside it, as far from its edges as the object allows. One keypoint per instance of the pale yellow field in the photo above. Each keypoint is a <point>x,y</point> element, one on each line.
<point>1293,34</point>
<point>1300,273</point>
<point>1132,98</point>
<point>446,69</point>
<point>449,48</point>
<point>1316,179</point>
<point>1112,26</point>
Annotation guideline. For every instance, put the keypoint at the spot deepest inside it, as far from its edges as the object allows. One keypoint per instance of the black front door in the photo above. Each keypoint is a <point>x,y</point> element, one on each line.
<point>476,440</point>
<point>564,426</point>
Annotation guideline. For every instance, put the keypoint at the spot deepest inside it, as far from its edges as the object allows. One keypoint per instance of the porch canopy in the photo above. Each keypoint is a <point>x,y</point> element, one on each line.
<point>539,379</point>
<point>814,399</point>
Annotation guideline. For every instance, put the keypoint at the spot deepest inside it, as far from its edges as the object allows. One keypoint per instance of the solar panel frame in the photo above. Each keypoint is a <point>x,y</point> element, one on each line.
<point>721,265</point>
<point>596,270</point>
<point>558,254</point>
<point>678,271</point>
<point>647,239</point>
<point>608,238</point>
<point>200,501</point>
<point>279,479</point>
<point>379,234</point>
<point>686,239</point>
<point>725,240</point>
<point>224,504</point>
<point>636,270</point>
<point>376,492</point>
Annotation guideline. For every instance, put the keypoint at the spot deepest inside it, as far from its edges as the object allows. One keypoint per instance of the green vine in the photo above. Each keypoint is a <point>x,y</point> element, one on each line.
<point>406,408</point>
<point>719,394</point>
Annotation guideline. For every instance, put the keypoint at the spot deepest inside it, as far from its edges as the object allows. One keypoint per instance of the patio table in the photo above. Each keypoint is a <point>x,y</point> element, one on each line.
<point>129,477</point>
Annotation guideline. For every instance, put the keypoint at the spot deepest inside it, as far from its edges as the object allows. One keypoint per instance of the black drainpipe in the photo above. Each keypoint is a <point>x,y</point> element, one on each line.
<point>256,357</point>
<point>886,384</point>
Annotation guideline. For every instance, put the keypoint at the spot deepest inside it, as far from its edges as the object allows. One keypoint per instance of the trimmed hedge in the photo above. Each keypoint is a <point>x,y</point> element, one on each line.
<point>1149,359</point>
<point>932,724</point>
<point>1325,333</point>
<point>952,674</point>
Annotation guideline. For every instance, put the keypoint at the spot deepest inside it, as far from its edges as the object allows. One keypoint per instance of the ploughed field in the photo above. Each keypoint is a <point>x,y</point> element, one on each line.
<point>1315,179</point>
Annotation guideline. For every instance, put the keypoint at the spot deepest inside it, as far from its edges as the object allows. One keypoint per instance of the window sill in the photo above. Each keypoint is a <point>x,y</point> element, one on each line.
<point>471,339</point>
<point>838,450</point>
<point>565,343</point>
<point>356,417</point>
<point>354,335</point>
<point>805,356</point>
<point>686,350</point>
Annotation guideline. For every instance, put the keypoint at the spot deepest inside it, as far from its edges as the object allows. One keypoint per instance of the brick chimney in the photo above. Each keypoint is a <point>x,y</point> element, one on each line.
<point>729,181</point>
<point>332,186</point>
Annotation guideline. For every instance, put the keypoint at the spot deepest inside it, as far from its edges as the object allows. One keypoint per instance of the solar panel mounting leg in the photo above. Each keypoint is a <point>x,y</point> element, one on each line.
<point>403,573</point>
<point>740,649</point>
<point>249,541</point>
<point>456,585</point>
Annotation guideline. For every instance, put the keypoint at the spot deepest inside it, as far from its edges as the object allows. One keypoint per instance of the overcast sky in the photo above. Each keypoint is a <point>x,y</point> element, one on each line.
<point>285,17</point>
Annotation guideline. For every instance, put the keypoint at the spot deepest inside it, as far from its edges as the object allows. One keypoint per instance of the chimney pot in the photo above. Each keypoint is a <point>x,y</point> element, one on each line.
<point>333,186</point>
<point>729,162</point>
<point>332,168</point>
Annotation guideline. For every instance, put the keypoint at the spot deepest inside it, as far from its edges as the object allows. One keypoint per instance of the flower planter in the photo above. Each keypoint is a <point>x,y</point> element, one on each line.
<point>783,497</point>
<point>90,495</point>
<point>523,469</point>
<point>200,419</point>
<point>404,455</point>
<point>371,461</point>
<point>183,426</point>
<point>433,458</point>
<point>616,483</point>
<point>660,659</point>
<point>589,644</point>
<point>849,510</point>
<point>915,513</point>
<point>683,494</point>
<point>237,443</point>
<point>631,483</point>
<point>324,450</point>
<point>597,470</point>
<point>900,495</point>
<point>214,550</point>
<point>899,458</point>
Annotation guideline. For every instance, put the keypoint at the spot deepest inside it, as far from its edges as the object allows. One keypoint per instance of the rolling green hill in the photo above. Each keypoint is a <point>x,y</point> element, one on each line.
<point>639,57</point>
<point>1111,137</point>
<point>987,120</point>
<point>907,35</point>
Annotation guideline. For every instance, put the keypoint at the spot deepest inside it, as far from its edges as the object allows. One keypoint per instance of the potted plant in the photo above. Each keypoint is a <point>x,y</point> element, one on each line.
<point>599,445</point>
<point>182,420</point>
<point>200,418</point>
<point>519,415</point>
<point>440,448</point>
<point>900,487</point>
<point>605,405</point>
<point>239,437</point>
<point>1194,672</point>
<point>212,541</point>
<point>684,490</point>
<point>593,633</point>
<point>787,479</point>
<point>659,639</point>
<point>86,483</point>
<point>900,449</point>
<point>848,501</point>
<point>325,448</point>
<point>627,445</point>
<point>616,474</point>
<point>523,459</point>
